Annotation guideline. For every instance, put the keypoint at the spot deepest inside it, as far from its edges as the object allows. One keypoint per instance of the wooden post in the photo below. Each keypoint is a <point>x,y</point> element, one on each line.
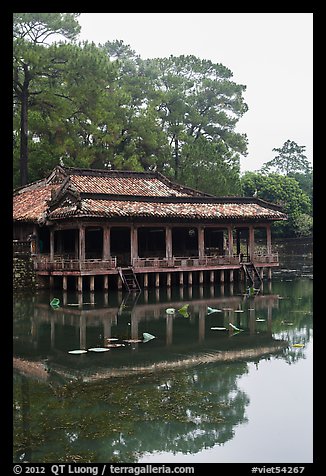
<point>230,238</point>
<point>92,283</point>
<point>201,324</point>
<point>231,276</point>
<point>51,282</point>
<point>119,283</point>
<point>169,329</point>
<point>80,284</point>
<point>106,282</point>
<point>106,243</point>
<point>251,242</point>
<point>201,277</point>
<point>168,279</point>
<point>211,276</point>
<point>222,276</point>
<point>268,239</point>
<point>168,242</point>
<point>157,280</point>
<point>82,332</point>
<point>146,280</point>
<point>261,273</point>
<point>181,278</point>
<point>133,243</point>
<point>190,278</point>
<point>81,243</point>
<point>269,276</point>
<point>201,242</point>
<point>51,244</point>
<point>64,283</point>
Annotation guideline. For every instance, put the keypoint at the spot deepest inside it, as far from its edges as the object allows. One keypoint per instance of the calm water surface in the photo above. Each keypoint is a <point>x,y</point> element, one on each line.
<point>191,394</point>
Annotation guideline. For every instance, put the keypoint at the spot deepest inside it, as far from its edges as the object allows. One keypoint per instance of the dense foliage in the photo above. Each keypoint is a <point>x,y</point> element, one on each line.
<point>103,106</point>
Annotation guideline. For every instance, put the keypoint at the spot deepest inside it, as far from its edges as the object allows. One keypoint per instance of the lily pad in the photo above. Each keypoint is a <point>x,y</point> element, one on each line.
<point>184,310</point>
<point>147,337</point>
<point>211,310</point>
<point>235,327</point>
<point>114,345</point>
<point>170,310</point>
<point>98,349</point>
<point>77,351</point>
<point>55,302</point>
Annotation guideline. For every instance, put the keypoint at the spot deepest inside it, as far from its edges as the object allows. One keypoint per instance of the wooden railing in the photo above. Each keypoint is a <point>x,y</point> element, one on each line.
<point>176,262</point>
<point>44,263</point>
<point>66,263</point>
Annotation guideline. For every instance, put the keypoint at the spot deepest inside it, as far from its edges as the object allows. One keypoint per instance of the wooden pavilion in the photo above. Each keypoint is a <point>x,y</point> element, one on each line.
<point>122,227</point>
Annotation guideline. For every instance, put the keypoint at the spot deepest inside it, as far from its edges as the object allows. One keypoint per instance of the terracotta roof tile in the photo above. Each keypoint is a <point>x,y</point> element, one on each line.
<point>122,208</point>
<point>30,203</point>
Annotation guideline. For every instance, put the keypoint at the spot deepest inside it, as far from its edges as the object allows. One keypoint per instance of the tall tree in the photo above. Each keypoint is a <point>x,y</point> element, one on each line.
<point>290,160</point>
<point>32,62</point>
<point>197,98</point>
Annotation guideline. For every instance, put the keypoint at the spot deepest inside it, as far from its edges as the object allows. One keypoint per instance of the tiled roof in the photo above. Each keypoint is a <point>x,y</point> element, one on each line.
<point>205,211</point>
<point>86,193</point>
<point>116,182</point>
<point>30,203</point>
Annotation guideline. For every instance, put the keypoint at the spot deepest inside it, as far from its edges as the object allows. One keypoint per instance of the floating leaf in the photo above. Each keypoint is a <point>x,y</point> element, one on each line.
<point>77,351</point>
<point>210,310</point>
<point>98,349</point>
<point>114,345</point>
<point>234,327</point>
<point>170,310</point>
<point>184,310</point>
<point>54,303</point>
<point>147,337</point>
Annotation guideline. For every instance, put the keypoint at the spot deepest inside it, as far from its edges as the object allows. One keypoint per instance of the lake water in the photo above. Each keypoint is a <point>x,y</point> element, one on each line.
<point>196,393</point>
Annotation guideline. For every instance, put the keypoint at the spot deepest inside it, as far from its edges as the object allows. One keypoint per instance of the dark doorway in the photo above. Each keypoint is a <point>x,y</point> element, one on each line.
<point>185,242</point>
<point>151,242</point>
<point>120,245</point>
<point>93,243</point>
<point>214,241</point>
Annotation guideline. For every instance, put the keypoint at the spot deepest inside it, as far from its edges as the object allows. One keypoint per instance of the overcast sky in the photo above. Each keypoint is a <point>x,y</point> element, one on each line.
<point>270,53</point>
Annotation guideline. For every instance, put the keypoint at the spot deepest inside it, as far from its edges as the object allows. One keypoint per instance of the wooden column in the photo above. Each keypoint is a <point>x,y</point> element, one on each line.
<point>231,276</point>
<point>181,278</point>
<point>269,275</point>
<point>81,244</point>
<point>269,239</point>
<point>133,243</point>
<point>168,279</point>
<point>80,284</point>
<point>201,242</point>
<point>251,242</point>
<point>64,283</point>
<point>82,332</point>
<point>106,242</point>
<point>201,324</point>
<point>169,329</point>
<point>168,242</point>
<point>230,238</point>
<point>201,277</point>
<point>190,278</point>
<point>222,276</point>
<point>211,276</point>
<point>92,283</point>
<point>157,280</point>
<point>146,280</point>
<point>106,282</point>
<point>51,244</point>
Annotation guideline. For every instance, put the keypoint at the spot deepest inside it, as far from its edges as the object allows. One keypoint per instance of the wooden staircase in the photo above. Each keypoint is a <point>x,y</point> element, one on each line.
<point>129,279</point>
<point>251,273</point>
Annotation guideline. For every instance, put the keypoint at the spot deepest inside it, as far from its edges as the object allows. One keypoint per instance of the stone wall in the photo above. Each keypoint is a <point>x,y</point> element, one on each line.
<point>24,276</point>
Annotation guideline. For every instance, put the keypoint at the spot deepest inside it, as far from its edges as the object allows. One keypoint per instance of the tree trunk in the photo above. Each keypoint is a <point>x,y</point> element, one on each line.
<point>24,138</point>
<point>176,158</point>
